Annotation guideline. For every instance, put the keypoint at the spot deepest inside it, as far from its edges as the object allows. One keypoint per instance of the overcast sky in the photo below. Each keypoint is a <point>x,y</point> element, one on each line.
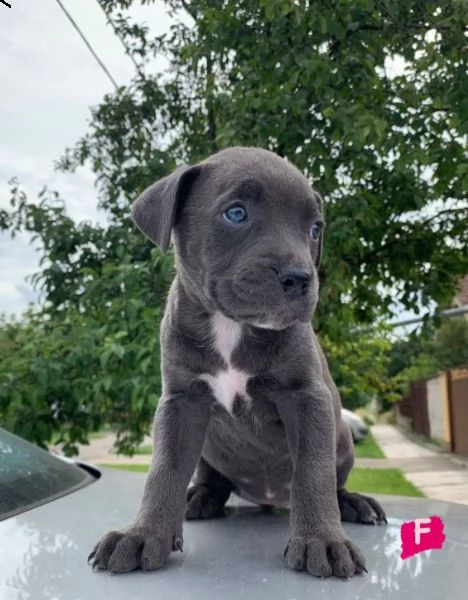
<point>49,81</point>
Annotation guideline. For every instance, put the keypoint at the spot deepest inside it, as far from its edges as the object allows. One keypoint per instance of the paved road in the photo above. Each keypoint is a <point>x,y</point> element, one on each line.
<point>437,475</point>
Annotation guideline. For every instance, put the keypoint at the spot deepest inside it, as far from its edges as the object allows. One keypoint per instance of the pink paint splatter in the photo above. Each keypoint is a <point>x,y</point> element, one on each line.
<point>421,535</point>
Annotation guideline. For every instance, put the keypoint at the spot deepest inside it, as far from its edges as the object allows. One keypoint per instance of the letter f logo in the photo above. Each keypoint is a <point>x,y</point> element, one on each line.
<point>418,529</point>
<point>420,535</point>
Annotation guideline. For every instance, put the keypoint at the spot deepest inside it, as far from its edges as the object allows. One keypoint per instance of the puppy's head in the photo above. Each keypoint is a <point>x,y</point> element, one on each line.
<point>247,229</point>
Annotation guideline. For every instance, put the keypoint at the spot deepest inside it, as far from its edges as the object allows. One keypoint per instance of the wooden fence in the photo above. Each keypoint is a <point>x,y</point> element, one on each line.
<point>414,412</point>
<point>458,398</point>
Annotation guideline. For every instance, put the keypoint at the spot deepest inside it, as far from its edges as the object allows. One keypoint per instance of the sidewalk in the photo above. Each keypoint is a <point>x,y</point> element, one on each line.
<point>438,476</point>
<point>100,451</point>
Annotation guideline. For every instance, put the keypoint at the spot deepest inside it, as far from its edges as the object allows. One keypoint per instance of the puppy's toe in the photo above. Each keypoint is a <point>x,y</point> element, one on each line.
<point>341,560</point>
<point>204,503</point>
<point>295,553</point>
<point>357,557</point>
<point>317,560</point>
<point>102,552</point>
<point>126,555</point>
<point>155,553</point>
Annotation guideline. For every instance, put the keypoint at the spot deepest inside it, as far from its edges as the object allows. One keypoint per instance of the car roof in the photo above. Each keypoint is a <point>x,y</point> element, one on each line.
<point>43,553</point>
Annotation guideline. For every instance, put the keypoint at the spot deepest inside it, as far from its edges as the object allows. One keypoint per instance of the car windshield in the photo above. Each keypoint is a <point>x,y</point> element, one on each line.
<point>30,476</point>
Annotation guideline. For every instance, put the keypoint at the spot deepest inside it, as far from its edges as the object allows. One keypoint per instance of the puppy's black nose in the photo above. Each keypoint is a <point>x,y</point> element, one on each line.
<point>295,282</point>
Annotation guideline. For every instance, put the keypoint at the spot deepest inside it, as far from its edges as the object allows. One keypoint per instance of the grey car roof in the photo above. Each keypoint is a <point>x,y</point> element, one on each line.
<point>43,554</point>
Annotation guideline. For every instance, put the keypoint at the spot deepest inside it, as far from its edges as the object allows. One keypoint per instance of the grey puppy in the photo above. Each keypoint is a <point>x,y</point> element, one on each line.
<point>248,403</point>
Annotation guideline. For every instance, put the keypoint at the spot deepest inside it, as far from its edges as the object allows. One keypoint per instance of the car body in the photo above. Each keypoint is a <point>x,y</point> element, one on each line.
<point>43,552</point>
<point>359,429</point>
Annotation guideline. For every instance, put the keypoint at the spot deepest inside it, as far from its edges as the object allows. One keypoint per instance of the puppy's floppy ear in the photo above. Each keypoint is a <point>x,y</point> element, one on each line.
<point>154,211</point>
<point>319,199</point>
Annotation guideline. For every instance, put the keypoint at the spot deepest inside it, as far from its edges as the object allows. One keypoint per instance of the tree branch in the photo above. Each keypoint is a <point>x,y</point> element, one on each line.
<point>188,9</point>
<point>418,227</point>
<point>212,134</point>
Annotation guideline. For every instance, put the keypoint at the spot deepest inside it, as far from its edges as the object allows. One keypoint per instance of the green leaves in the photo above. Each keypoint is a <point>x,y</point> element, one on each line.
<point>359,363</point>
<point>367,98</point>
<point>89,356</point>
<point>423,355</point>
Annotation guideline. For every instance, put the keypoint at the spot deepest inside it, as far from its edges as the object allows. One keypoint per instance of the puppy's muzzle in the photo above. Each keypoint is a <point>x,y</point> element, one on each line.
<point>294,281</point>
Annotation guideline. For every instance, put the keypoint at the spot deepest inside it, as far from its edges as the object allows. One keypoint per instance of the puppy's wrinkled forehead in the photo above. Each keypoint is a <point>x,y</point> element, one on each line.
<point>253,173</point>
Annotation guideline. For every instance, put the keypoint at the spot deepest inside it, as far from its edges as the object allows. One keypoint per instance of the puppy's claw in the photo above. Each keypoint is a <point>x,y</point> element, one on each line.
<point>178,545</point>
<point>380,520</point>
<point>91,556</point>
<point>96,565</point>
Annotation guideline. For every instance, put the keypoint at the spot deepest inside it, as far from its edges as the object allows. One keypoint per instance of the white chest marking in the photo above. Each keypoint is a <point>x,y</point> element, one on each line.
<point>228,382</point>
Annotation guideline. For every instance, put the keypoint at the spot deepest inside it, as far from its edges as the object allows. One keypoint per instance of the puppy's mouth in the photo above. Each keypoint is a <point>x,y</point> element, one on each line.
<point>260,307</point>
<point>277,321</point>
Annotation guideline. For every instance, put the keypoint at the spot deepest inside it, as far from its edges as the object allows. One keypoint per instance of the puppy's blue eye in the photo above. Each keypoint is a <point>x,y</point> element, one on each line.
<point>315,231</point>
<point>235,214</point>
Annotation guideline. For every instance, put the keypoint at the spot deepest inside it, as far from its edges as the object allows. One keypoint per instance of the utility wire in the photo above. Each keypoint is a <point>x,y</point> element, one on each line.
<point>122,40</point>
<point>96,57</point>
<point>450,312</point>
<point>89,46</point>
<point>138,68</point>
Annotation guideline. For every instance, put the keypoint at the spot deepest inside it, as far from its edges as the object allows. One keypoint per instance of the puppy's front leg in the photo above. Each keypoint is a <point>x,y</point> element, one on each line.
<point>179,430</point>
<point>318,542</point>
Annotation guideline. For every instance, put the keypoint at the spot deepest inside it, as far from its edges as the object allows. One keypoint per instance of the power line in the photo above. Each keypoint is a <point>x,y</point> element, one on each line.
<point>88,45</point>
<point>96,57</point>
<point>450,312</point>
<point>122,40</point>
<point>138,68</point>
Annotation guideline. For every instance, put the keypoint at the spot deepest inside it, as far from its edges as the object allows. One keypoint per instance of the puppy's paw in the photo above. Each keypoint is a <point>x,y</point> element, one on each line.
<point>204,503</point>
<point>356,508</point>
<point>325,555</point>
<point>132,549</point>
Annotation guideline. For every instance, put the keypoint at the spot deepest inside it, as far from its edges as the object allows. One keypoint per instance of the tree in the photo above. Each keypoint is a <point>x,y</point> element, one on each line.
<point>450,345</point>
<point>313,81</point>
<point>443,349</point>
<point>359,365</point>
<point>90,355</point>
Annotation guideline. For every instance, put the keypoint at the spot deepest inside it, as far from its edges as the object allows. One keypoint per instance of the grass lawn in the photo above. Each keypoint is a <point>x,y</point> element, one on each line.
<point>381,481</point>
<point>97,435</point>
<point>144,449</point>
<point>367,481</point>
<point>368,448</point>
<point>127,467</point>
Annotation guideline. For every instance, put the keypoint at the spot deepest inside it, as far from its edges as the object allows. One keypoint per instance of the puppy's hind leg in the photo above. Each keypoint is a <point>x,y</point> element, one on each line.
<point>354,508</point>
<point>208,494</point>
